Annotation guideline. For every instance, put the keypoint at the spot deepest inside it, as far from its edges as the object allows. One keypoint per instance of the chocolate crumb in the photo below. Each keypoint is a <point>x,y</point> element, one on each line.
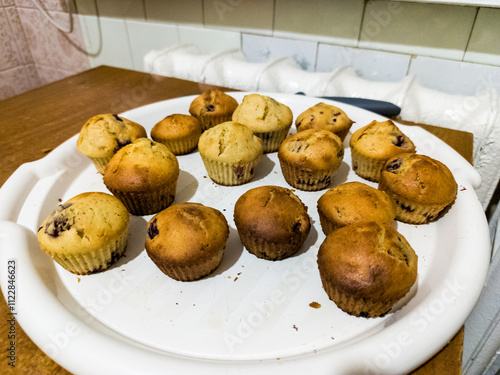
<point>153,229</point>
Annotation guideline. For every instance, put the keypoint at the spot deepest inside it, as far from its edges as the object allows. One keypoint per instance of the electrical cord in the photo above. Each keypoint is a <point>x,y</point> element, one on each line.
<point>66,30</point>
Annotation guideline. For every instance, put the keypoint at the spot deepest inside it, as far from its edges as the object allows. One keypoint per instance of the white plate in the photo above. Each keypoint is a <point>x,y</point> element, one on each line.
<point>251,314</point>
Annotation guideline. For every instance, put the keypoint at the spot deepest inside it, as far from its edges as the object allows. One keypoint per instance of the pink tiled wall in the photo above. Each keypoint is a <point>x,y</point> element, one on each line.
<point>33,51</point>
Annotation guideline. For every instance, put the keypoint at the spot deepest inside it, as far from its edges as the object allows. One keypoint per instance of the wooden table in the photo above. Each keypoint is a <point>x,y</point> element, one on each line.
<point>34,123</point>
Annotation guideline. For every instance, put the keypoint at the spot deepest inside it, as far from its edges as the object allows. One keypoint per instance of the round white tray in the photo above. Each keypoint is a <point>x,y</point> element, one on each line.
<point>250,315</point>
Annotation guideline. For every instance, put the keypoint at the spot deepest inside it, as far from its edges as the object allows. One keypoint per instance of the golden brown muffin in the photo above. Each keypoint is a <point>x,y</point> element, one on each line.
<point>366,268</point>
<point>186,241</point>
<point>180,133</point>
<point>103,135</point>
<point>269,119</point>
<point>86,234</point>
<point>375,143</point>
<point>230,152</point>
<point>213,107</point>
<point>324,116</point>
<point>143,175</point>
<point>272,222</point>
<point>423,188</point>
<point>354,202</point>
<point>310,158</point>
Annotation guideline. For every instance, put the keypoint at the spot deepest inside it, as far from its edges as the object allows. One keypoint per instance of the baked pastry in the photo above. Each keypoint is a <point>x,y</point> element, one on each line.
<point>269,119</point>
<point>272,222</point>
<point>366,268</point>
<point>213,107</point>
<point>86,234</point>
<point>354,202</point>
<point>324,116</point>
<point>186,241</point>
<point>230,152</point>
<point>143,175</point>
<point>103,135</point>
<point>180,133</point>
<point>422,187</point>
<point>373,144</point>
<point>310,158</point>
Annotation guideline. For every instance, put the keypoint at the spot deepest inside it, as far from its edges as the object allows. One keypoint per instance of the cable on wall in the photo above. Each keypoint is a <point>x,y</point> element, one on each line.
<point>66,30</point>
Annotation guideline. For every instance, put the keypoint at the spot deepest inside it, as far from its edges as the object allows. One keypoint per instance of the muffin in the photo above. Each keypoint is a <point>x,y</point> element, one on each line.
<point>103,135</point>
<point>180,133</point>
<point>86,234</point>
<point>213,107</point>
<point>354,202</point>
<point>268,119</point>
<point>310,158</point>
<point>324,116</point>
<point>272,222</point>
<point>423,188</point>
<point>186,241</point>
<point>143,175</point>
<point>374,144</point>
<point>230,152</point>
<point>366,268</point>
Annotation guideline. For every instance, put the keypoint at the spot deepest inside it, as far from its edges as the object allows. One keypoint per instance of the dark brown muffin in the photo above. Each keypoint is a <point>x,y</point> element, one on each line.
<point>272,222</point>
<point>421,186</point>
<point>186,241</point>
<point>366,268</point>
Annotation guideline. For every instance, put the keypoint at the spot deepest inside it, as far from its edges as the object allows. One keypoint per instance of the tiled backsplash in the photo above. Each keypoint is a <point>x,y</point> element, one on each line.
<point>448,47</point>
<point>33,52</point>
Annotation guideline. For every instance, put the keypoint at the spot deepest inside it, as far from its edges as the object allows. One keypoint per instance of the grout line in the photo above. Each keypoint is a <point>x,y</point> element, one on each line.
<point>470,34</point>
<point>361,23</point>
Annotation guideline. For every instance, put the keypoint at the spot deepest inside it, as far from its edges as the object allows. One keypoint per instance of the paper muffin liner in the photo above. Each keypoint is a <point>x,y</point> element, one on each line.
<point>230,174</point>
<point>361,307</point>
<point>271,250</point>
<point>365,167</point>
<point>182,146</point>
<point>271,141</point>
<point>202,268</point>
<point>209,121</point>
<point>148,202</point>
<point>411,212</point>
<point>307,181</point>
<point>100,163</point>
<point>98,260</point>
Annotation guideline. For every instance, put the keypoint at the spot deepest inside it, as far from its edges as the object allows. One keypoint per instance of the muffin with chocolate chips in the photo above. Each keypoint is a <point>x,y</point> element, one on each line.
<point>272,222</point>
<point>372,145</point>
<point>103,135</point>
<point>143,175</point>
<point>310,158</point>
<point>186,241</point>
<point>324,116</point>
<point>366,268</point>
<point>213,107</point>
<point>422,187</point>
<point>230,152</point>
<point>86,234</point>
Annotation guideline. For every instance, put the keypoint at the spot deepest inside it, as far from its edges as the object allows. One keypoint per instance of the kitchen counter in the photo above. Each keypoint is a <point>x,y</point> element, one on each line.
<point>34,123</point>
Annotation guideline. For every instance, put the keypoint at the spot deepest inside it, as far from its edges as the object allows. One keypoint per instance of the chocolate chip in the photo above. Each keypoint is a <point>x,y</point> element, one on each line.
<point>122,143</point>
<point>399,141</point>
<point>296,226</point>
<point>210,108</point>
<point>406,208</point>
<point>238,171</point>
<point>59,224</point>
<point>117,117</point>
<point>153,229</point>
<point>393,165</point>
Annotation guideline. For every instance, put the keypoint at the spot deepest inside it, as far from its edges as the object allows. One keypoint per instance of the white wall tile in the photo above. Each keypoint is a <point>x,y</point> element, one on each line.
<point>455,77</point>
<point>326,21</point>
<point>259,49</point>
<point>368,64</point>
<point>147,36</point>
<point>422,29</point>
<point>249,16</point>
<point>484,44</point>
<point>186,12</point>
<point>209,40</point>
<point>106,41</point>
